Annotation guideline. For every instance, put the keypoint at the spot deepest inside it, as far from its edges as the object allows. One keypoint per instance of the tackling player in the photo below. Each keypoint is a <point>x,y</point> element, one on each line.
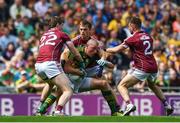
<point>90,54</point>
<point>48,65</point>
<point>145,67</point>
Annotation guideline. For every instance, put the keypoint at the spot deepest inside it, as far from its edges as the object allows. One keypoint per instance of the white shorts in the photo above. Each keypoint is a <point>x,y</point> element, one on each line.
<point>141,75</point>
<point>79,84</point>
<point>48,69</point>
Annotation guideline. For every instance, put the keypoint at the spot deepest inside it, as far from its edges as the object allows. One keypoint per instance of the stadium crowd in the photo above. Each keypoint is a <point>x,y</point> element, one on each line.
<point>22,22</point>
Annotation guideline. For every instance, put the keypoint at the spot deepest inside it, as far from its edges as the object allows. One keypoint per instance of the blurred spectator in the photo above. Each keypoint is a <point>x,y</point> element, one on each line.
<point>176,24</point>
<point>41,7</point>
<point>4,11</point>
<point>174,78</point>
<point>113,40</point>
<point>168,5</point>
<point>69,26</point>
<point>18,9</point>
<point>26,27</point>
<point>9,51</point>
<point>114,23</point>
<point>98,19</point>
<point>7,38</point>
<point>26,49</point>
<point>22,84</point>
<point>99,4</point>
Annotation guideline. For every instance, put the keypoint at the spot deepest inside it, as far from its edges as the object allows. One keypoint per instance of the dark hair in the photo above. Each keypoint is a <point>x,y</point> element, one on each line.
<point>85,22</point>
<point>55,20</point>
<point>136,21</point>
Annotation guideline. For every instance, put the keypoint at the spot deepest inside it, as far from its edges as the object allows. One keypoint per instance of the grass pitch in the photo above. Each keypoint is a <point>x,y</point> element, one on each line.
<point>89,119</point>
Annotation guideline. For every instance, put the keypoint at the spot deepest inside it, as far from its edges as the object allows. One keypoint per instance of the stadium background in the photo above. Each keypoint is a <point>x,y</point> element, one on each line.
<point>22,23</point>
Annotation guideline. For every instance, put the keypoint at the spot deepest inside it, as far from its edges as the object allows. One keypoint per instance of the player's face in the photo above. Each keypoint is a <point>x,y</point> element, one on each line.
<point>131,26</point>
<point>84,31</point>
<point>91,50</point>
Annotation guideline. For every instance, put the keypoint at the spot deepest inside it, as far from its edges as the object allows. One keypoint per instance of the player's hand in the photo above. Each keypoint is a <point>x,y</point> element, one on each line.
<point>101,62</point>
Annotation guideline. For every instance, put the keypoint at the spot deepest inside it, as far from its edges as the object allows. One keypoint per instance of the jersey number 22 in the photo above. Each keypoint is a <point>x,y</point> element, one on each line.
<point>48,39</point>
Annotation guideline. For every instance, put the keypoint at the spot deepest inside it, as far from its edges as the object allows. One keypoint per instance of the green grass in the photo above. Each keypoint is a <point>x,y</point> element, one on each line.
<point>89,119</point>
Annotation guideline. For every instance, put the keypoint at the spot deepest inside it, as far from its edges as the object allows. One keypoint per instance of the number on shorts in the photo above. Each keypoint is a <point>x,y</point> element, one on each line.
<point>48,39</point>
<point>148,50</point>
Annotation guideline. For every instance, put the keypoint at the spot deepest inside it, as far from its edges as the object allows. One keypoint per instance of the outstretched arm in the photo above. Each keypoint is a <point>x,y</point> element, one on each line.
<point>116,49</point>
<point>104,55</point>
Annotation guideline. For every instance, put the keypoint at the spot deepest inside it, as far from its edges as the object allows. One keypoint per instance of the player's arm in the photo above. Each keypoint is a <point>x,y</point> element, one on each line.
<point>67,64</point>
<point>74,51</point>
<point>103,62</point>
<point>68,68</point>
<point>118,48</point>
<point>76,54</point>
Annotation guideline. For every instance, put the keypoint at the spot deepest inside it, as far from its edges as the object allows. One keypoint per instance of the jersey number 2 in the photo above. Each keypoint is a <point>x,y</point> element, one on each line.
<point>148,50</point>
<point>48,39</point>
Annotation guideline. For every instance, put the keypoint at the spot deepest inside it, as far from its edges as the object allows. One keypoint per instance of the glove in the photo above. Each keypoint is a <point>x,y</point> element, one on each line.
<point>101,62</point>
<point>81,65</point>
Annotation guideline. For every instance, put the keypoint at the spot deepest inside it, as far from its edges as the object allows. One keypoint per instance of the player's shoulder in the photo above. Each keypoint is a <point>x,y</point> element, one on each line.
<point>94,38</point>
<point>144,36</point>
<point>59,32</point>
<point>130,38</point>
<point>78,37</point>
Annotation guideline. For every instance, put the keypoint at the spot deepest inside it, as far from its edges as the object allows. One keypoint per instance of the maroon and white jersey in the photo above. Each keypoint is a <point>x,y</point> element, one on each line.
<point>51,45</point>
<point>78,41</point>
<point>141,45</point>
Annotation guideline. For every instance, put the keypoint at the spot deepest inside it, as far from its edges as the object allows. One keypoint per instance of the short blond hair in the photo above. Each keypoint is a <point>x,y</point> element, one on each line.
<point>92,42</point>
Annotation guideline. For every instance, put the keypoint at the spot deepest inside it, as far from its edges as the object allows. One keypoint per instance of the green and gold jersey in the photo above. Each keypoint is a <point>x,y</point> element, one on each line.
<point>89,61</point>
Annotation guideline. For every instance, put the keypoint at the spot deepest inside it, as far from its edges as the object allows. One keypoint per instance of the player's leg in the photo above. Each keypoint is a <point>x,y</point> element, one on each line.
<point>46,91</point>
<point>97,71</point>
<point>158,92</point>
<point>54,72</point>
<point>45,102</point>
<point>49,101</point>
<point>63,85</point>
<point>40,69</point>
<point>92,84</point>
<point>128,81</point>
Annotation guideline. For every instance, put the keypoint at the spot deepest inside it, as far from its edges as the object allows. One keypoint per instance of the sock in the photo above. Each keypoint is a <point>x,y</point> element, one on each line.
<point>40,103</point>
<point>59,108</point>
<point>127,102</point>
<point>165,102</point>
<point>48,102</point>
<point>110,100</point>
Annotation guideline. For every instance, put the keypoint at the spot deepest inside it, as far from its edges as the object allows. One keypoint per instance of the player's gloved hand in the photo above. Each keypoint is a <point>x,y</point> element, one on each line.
<point>82,65</point>
<point>101,62</point>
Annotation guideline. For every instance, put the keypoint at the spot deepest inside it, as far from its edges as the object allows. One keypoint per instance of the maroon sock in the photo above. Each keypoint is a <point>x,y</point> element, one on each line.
<point>127,102</point>
<point>59,107</point>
